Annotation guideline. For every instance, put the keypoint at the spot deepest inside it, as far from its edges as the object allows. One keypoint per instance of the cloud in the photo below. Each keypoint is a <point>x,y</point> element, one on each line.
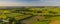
<point>29,3</point>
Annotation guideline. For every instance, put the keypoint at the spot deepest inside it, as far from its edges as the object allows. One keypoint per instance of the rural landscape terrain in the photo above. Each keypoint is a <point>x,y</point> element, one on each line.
<point>30,15</point>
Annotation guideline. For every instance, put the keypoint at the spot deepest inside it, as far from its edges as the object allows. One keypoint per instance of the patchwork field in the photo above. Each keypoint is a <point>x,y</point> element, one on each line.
<point>30,15</point>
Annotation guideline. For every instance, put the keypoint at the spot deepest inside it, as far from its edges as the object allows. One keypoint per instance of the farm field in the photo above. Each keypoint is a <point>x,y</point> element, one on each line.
<point>30,15</point>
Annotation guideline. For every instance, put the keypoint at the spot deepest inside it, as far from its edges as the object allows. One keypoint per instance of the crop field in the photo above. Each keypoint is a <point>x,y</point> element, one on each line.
<point>30,15</point>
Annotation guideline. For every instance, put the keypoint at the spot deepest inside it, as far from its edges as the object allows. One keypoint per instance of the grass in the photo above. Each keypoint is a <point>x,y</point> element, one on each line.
<point>45,11</point>
<point>55,18</point>
<point>44,22</point>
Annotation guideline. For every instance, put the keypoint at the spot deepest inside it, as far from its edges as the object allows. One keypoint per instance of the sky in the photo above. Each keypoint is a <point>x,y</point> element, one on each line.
<point>29,2</point>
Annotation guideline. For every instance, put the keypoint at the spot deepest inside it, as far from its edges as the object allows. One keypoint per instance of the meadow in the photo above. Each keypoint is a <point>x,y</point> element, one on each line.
<point>30,15</point>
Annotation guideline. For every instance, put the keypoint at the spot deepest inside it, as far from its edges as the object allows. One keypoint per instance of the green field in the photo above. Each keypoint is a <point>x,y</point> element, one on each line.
<point>29,15</point>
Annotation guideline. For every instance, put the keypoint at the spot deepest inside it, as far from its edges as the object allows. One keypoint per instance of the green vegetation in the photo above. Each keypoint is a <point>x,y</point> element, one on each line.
<point>19,14</point>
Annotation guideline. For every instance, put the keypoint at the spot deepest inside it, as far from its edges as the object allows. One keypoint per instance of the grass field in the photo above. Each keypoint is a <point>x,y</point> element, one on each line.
<point>30,15</point>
